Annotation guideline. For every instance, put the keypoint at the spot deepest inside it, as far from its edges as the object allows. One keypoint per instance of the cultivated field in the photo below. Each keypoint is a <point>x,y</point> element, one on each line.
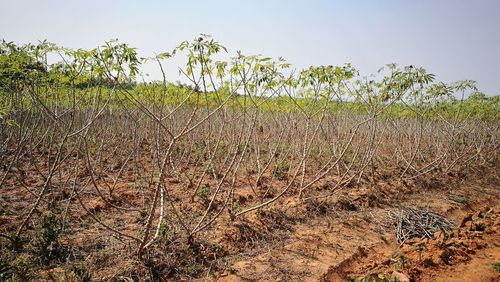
<point>248,171</point>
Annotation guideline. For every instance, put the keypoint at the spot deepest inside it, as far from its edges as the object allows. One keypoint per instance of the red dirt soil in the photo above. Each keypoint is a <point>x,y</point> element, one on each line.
<point>343,245</point>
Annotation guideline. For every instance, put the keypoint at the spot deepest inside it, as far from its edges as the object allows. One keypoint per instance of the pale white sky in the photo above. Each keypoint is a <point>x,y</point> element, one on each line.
<point>454,39</point>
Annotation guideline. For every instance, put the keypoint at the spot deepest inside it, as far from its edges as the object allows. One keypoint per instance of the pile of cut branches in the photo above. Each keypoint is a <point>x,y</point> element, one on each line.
<point>412,223</point>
